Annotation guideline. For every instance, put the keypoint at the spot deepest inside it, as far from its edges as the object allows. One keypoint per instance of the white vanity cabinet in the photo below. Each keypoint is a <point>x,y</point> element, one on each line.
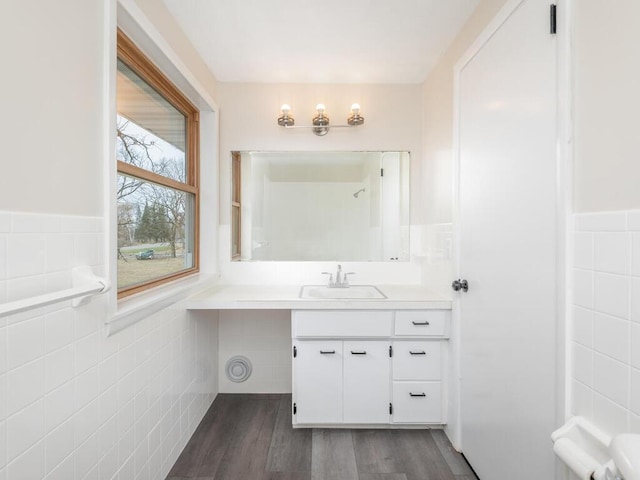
<point>368,367</point>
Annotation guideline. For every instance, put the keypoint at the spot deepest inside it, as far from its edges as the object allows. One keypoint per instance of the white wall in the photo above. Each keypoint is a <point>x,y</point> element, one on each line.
<point>51,96</point>
<point>606,104</point>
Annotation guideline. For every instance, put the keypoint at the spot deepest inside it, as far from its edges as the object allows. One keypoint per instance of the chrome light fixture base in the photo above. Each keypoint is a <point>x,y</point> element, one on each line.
<point>321,125</point>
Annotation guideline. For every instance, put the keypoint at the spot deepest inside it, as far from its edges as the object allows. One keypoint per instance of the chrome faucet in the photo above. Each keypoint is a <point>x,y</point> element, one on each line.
<point>341,278</point>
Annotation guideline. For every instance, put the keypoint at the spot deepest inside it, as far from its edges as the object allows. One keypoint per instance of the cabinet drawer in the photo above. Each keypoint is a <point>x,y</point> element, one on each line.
<point>330,323</point>
<point>417,360</point>
<point>421,322</point>
<point>417,402</point>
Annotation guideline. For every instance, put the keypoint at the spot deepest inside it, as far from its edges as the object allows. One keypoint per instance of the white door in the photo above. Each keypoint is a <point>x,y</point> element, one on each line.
<point>507,247</point>
<point>366,381</point>
<point>318,382</point>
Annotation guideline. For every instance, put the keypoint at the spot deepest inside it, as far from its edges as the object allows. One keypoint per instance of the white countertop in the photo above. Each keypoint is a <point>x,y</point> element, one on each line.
<point>286,297</point>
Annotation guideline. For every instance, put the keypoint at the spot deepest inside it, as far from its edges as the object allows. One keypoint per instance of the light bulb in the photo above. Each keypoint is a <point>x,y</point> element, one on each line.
<point>320,108</point>
<point>355,108</point>
<point>285,109</point>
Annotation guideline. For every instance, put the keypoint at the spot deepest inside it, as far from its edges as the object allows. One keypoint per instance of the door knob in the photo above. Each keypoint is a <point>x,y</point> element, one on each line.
<point>458,285</point>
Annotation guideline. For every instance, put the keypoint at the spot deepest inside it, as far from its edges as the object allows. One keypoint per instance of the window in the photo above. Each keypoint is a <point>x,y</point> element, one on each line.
<point>157,182</point>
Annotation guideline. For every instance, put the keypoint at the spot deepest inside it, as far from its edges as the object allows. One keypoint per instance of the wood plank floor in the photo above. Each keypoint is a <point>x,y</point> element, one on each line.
<point>249,437</point>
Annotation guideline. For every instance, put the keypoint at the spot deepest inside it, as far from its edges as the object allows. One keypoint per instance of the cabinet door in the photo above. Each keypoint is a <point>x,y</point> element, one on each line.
<point>366,382</point>
<point>317,371</point>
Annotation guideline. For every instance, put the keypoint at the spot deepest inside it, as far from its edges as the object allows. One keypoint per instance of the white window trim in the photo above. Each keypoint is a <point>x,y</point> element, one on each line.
<point>126,15</point>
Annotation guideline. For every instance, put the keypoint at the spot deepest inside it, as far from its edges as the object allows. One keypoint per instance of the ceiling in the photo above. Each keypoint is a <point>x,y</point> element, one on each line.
<point>327,41</point>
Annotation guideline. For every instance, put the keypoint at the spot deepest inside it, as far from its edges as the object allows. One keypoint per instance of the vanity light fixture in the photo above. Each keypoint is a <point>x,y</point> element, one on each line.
<point>320,123</point>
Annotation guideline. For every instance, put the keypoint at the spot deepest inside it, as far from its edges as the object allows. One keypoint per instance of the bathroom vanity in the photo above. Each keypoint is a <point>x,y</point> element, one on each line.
<point>372,367</point>
<point>378,363</point>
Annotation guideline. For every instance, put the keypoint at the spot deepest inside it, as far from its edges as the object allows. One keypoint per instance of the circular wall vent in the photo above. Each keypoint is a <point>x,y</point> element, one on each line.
<point>238,368</point>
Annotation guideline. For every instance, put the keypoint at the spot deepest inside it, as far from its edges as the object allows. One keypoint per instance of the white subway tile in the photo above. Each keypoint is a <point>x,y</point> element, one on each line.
<point>108,403</point>
<point>58,252</point>
<point>635,345</point>
<point>582,364</point>
<point>25,342</point>
<point>65,470</point>
<point>29,465</point>
<point>3,444</point>
<point>609,416</point>
<point>24,385</point>
<point>24,429</point>
<point>635,299</point>
<point>635,254</point>
<point>88,249</point>
<point>86,422</point>
<point>601,222</point>
<point>27,223</point>
<point>25,287</point>
<point>612,294</point>
<point>635,391</point>
<point>613,252</point>
<point>58,329</point>
<point>109,434</point>
<point>635,424</point>
<point>108,372</point>
<point>582,289</point>
<point>87,387</point>
<point>611,336</point>
<point>3,350</point>
<point>108,465</point>
<point>24,255</point>
<point>611,379</point>
<point>59,444</point>
<point>87,456</point>
<point>3,396</point>
<point>59,405</point>
<point>3,257</point>
<point>5,222</point>
<point>582,330</point>
<point>87,353</point>
<point>633,220</point>
<point>58,368</point>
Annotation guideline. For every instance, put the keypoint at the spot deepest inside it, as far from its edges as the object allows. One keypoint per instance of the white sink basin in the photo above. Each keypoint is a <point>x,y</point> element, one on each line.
<point>354,292</point>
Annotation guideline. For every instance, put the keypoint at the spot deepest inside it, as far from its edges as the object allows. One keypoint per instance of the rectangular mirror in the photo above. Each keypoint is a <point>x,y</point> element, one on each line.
<point>320,206</point>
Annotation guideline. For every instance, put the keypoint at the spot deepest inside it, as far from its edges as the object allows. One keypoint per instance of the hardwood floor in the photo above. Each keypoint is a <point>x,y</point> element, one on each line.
<point>249,437</point>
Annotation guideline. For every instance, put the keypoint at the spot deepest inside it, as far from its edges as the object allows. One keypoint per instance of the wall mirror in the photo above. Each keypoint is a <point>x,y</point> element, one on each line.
<point>320,206</point>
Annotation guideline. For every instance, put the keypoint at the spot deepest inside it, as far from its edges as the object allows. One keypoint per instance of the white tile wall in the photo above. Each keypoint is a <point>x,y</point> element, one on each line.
<point>75,404</point>
<point>263,336</point>
<point>605,360</point>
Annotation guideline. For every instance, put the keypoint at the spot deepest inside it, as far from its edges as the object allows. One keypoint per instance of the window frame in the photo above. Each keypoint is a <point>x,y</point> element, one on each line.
<point>236,203</point>
<point>138,62</point>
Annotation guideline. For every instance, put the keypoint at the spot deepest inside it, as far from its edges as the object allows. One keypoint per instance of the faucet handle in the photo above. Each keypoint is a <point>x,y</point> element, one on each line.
<point>330,277</point>
<point>345,277</point>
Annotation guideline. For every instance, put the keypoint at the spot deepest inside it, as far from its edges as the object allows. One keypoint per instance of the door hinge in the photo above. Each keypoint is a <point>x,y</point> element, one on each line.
<point>390,351</point>
<point>295,408</point>
<point>391,409</point>
<point>382,172</point>
<point>295,352</point>
<point>553,11</point>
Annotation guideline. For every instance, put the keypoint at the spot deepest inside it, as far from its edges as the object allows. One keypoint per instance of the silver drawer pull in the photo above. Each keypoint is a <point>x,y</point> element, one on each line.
<point>417,394</point>
<point>420,352</point>
<point>421,323</point>
<point>358,352</point>
<point>327,352</point>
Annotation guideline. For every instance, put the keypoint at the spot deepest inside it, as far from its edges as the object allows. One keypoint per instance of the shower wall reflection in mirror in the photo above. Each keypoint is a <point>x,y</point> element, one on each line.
<point>320,206</point>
